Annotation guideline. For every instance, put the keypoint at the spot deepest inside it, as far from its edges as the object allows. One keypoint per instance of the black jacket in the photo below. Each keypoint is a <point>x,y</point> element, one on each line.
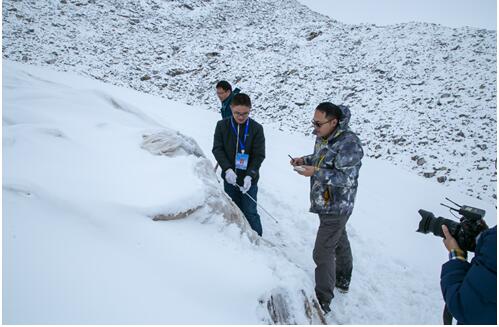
<point>224,148</point>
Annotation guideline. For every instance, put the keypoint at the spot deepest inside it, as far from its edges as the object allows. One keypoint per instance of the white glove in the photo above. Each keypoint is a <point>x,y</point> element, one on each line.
<point>247,184</point>
<point>230,176</point>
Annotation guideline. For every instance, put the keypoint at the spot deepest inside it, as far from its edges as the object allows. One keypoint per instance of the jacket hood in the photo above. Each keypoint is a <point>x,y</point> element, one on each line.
<point>343,124</point>
<point>345,120</point>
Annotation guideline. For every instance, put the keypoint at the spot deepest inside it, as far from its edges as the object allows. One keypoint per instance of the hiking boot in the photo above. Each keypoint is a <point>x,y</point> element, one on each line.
<point>342,284</point>
<point>324,304</point>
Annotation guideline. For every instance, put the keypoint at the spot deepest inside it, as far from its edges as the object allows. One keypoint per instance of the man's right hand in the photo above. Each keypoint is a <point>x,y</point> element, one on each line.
<point>230,176</point>
<point>449,241</point>
<point>297,161</point>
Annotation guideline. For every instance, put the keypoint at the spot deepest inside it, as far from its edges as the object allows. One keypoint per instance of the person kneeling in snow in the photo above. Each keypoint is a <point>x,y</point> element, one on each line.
<point>239,148</point>
<point>333,169</point>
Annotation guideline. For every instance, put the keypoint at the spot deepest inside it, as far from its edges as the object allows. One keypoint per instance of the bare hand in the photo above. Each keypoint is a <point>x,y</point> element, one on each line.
<point>297,161</point>
<point>307,171</point>
<point>449,241</point>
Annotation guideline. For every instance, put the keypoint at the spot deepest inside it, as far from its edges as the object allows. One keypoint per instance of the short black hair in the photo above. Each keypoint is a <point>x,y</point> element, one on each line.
<point>331,110</point>
<point>241,99</point>
<point>224,85</point>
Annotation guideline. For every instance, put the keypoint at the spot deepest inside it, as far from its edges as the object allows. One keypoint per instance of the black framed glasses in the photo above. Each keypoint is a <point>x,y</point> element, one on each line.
<point>240,114</point>
<point>319,124</point>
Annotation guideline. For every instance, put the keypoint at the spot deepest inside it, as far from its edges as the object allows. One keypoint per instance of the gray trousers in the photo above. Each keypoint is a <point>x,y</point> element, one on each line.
<point>332,255</point>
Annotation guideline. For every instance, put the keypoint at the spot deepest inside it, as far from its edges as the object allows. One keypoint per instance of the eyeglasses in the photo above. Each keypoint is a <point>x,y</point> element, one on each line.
<point>318,124</point>
<point>241,114</point>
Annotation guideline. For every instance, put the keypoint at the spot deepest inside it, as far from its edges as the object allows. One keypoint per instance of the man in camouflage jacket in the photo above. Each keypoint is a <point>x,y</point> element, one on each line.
<point>333,169</point>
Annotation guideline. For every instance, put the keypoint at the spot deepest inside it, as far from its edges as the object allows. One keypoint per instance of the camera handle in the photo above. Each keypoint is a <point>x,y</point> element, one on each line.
<point>447,316</point>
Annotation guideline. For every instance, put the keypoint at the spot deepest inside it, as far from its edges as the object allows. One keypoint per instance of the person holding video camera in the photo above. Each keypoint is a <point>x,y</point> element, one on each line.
<point>333,169</point>
<point>470,288</point>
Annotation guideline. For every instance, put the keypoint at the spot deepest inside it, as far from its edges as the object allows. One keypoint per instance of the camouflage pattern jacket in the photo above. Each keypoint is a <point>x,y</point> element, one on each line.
<point>334,186</point>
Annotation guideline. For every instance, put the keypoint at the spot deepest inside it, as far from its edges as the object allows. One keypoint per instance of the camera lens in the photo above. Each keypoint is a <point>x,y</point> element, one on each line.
<point>431,224</point>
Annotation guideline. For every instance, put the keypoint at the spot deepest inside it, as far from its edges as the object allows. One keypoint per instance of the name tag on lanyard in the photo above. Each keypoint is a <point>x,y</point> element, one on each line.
<point>242,159</point>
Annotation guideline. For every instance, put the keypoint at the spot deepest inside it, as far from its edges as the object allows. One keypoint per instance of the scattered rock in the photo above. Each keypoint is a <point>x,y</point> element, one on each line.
<point>175,72</point>
<point>429,175</point>
<point>313,35</point>
<point>420,161</point>
<point>441,179</point>
<point>399,140</point>
<point>186,6</point>
<point>145,78</point>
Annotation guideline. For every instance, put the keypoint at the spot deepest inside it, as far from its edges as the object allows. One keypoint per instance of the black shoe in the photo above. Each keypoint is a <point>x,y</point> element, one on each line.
<point>324,304</point>
<point>342,284</point>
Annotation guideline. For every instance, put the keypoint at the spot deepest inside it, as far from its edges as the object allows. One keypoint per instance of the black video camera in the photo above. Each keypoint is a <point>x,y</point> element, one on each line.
<point>465,232</point>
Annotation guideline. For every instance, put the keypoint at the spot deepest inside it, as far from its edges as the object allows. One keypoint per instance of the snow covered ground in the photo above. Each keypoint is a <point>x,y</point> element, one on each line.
<point>80,187</point>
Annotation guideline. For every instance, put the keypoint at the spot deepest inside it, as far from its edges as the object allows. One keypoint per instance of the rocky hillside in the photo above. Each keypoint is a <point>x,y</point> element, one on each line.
<point>422,95</point>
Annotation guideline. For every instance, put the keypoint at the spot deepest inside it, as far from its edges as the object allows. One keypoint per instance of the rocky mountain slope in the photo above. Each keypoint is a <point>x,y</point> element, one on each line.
<point>422,95</point>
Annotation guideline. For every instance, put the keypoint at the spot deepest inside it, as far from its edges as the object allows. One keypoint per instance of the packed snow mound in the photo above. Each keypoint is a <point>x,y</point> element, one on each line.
<point>423,96</point>
<point>85,175</point>
<point>172,143</point>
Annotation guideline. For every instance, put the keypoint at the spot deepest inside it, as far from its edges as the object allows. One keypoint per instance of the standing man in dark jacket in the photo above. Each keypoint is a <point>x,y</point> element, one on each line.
<point>333,169</point>
<point>470,289</point>
<point>225,94</point>
<point>239,148</point>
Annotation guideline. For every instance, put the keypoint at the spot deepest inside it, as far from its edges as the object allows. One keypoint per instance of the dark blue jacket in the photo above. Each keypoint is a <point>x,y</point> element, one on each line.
<point>470,289</point>
<point>225,110</point>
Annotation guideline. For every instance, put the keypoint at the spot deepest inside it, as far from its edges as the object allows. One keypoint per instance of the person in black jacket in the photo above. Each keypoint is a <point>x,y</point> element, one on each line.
<point>239,148</point>
<point>470,288</point>
<point>225,95</point>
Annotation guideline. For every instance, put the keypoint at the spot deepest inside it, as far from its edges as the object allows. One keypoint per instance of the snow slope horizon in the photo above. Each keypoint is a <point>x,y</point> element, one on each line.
<point>47,113</point>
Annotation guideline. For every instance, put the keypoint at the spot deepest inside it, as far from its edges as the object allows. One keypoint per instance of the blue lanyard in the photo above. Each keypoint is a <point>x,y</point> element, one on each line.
<point>245,133</point>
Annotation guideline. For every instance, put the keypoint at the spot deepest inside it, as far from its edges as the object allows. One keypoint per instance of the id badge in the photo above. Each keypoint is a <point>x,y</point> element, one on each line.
<point>242,161</point>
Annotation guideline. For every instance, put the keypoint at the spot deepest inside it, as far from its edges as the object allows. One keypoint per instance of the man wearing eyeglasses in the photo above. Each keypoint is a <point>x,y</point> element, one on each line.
<point>239,148</point>
<point>225,95</point>
<point>333,169</point>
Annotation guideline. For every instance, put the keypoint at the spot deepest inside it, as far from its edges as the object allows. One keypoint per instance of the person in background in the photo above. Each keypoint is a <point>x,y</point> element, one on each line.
<point>333,169</point>
<point>470,288</point>
<point>239,148</point>
<point>225,94</point>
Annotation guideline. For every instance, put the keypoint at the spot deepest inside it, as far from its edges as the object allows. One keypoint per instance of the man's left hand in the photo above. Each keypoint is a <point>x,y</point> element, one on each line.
<point>247,184</point>
<point>307,171</point>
